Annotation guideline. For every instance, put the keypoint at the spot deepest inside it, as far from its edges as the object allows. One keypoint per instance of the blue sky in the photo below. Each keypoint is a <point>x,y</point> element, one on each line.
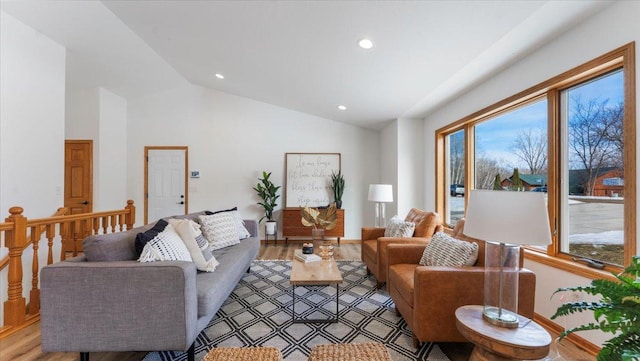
<point>494,138</point>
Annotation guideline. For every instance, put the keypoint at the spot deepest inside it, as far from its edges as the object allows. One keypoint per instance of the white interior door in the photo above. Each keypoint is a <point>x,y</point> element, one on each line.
<point>166,183</point>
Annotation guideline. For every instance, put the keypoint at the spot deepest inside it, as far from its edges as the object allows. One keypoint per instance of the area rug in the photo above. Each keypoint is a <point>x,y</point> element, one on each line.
<point>258,313</point>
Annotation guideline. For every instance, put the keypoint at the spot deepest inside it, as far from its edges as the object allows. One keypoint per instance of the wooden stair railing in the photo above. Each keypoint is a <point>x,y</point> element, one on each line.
<point>18,233</point>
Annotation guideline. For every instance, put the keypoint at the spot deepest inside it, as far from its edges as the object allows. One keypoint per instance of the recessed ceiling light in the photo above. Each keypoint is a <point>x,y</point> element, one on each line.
<point>219,76</point>
<point>365,43</point>
<point>342,107</point>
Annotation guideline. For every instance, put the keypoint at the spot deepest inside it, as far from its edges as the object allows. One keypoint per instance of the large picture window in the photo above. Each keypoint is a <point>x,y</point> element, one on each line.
<point>572,138</point>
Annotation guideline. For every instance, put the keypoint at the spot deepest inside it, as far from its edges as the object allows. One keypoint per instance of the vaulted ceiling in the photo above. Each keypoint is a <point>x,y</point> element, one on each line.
<point>301,55</point>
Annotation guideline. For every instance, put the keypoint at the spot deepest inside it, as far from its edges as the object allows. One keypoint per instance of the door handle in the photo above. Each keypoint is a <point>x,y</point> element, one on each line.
<point>85,203</point>
<point>180,203</point>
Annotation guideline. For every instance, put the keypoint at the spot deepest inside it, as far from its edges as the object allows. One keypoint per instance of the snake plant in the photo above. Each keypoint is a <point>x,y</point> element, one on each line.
<point>337,186</point>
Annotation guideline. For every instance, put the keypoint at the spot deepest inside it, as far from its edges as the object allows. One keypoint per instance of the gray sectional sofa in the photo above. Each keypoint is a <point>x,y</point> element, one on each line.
<point>107,301</point>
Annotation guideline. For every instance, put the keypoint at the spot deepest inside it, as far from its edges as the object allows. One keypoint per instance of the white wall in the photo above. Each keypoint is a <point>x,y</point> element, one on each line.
<point>232,140</point>
<point>32,89</point>
<point>402,165</point>
<point>411,165</point>
<point>388,160</point>
<point>100,115</point>
<point>613,27</point>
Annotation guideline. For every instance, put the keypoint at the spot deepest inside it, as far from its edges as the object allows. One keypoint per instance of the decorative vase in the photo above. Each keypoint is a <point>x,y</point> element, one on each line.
<point>324,247</point>
<point>317,234</point>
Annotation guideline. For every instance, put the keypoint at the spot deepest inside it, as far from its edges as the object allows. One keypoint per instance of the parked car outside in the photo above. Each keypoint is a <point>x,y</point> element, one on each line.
<point>457,190</point>
<point>540,189</point>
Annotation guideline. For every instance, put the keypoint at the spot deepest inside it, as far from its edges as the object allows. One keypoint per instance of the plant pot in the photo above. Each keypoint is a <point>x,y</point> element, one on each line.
<point>338,204</point>
<point>270,227</point>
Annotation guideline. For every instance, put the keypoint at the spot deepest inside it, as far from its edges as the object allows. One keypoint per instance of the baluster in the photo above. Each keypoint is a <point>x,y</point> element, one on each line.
<point>96,225</point>
<point>77,233</point>
<point>15,239</point>
<point>88,228</point>
<point>121,221</point>
<point>34,294</point>
<point>65,237</point>
<point>113,223</point>
<point>130,219</point>
<point>51,232</point>
<point>105,225</point>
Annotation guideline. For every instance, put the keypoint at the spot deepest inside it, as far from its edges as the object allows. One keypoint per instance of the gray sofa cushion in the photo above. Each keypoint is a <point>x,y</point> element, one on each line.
<point>119,246</point>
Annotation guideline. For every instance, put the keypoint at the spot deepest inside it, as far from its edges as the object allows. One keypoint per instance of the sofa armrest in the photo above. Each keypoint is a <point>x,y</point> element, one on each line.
<point>446,288</point>
<point>118,306</point>
<point>368,233</point>
<point>409,253</point>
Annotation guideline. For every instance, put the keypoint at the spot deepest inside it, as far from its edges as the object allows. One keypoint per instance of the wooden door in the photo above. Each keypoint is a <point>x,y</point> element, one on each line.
<point>78,176</point>
<point>78,192</point>
<point>165,182</point>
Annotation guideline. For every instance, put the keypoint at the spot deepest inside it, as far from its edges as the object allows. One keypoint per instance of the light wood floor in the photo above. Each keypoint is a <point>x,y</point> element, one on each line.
<point>25,345</point>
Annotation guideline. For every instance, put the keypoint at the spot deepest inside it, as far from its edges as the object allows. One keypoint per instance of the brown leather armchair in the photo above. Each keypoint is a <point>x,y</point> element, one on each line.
<point>374,244</point>
<point>428,296</point>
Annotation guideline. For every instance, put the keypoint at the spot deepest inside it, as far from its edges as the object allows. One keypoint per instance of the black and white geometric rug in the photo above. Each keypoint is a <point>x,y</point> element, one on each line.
<point>258,313</point>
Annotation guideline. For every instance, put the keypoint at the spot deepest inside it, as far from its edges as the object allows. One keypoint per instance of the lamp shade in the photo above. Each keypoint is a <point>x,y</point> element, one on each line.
<point>380,193</point>
<point>508,217</point>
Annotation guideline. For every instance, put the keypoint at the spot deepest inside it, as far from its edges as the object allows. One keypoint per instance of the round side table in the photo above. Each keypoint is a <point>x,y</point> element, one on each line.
<point>493,343</point>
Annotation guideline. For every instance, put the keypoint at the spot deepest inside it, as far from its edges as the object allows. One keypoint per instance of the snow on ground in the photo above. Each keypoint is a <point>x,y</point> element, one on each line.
<point>609,237</point>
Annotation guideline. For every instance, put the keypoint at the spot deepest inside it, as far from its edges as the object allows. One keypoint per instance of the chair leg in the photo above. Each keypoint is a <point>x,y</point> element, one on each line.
<point>84,356</point>
<point>416,342</point>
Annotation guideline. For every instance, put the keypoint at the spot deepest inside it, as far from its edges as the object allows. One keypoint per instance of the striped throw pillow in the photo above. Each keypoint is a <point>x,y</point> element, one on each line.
<point>444,250</point>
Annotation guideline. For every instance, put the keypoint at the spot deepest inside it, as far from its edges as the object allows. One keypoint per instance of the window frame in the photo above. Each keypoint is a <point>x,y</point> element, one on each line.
<point>620,58</point>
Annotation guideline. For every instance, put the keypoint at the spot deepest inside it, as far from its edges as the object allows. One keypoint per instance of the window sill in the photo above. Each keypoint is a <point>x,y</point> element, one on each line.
<point>567,265</point>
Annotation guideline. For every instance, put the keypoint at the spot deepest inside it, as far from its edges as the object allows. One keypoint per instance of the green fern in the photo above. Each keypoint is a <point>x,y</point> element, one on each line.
<point>617,312</point>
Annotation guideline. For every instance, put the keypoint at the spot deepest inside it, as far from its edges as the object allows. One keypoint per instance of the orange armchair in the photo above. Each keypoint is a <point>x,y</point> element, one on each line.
<point>428,296</point>
<point>374,244</point>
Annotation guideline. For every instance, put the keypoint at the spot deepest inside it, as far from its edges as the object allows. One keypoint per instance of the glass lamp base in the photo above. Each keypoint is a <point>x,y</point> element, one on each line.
<point>501,318</point>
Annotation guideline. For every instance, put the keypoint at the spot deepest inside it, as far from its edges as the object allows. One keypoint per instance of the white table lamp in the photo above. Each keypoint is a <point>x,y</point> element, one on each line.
<point>380,193</point>
<point>505,220</point>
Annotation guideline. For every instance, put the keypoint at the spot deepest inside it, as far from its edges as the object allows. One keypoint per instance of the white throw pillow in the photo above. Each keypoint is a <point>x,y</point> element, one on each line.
<point>220,229</point>
<point>444,250</point>
<point>185,229</point>
<point>397,227</point>
<point>165,246</point>
<point>242,230</point>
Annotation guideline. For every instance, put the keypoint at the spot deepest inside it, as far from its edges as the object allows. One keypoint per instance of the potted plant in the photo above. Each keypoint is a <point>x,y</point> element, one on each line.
<point>617,312</point>
<point>268,192</point>
<point>320,219</point>
<point>337,186</point>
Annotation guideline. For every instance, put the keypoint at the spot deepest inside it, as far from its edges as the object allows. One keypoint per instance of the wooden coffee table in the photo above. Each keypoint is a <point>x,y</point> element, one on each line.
<point>320,273</point>
<point>493,343</point>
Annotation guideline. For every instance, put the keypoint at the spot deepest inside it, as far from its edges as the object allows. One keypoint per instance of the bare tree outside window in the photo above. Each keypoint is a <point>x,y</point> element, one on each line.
<point>530,146</point>
<point>591,129</point>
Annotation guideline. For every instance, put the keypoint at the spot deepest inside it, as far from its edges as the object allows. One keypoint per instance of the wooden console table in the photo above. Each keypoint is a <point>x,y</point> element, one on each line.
<point>292,225</point>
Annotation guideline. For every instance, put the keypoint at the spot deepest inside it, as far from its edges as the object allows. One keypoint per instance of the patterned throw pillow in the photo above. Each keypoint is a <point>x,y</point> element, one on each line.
<point>399,228</point>
<point>165,246</point>
<point>242,230</point>
<point>143,238</point>
<point>186,231</point>
<point>220,230</point>
<point>444,250</point>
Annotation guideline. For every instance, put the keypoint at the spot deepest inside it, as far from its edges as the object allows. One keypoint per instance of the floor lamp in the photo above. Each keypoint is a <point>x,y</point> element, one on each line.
<point>505,220</point>
<point>381,194</point>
